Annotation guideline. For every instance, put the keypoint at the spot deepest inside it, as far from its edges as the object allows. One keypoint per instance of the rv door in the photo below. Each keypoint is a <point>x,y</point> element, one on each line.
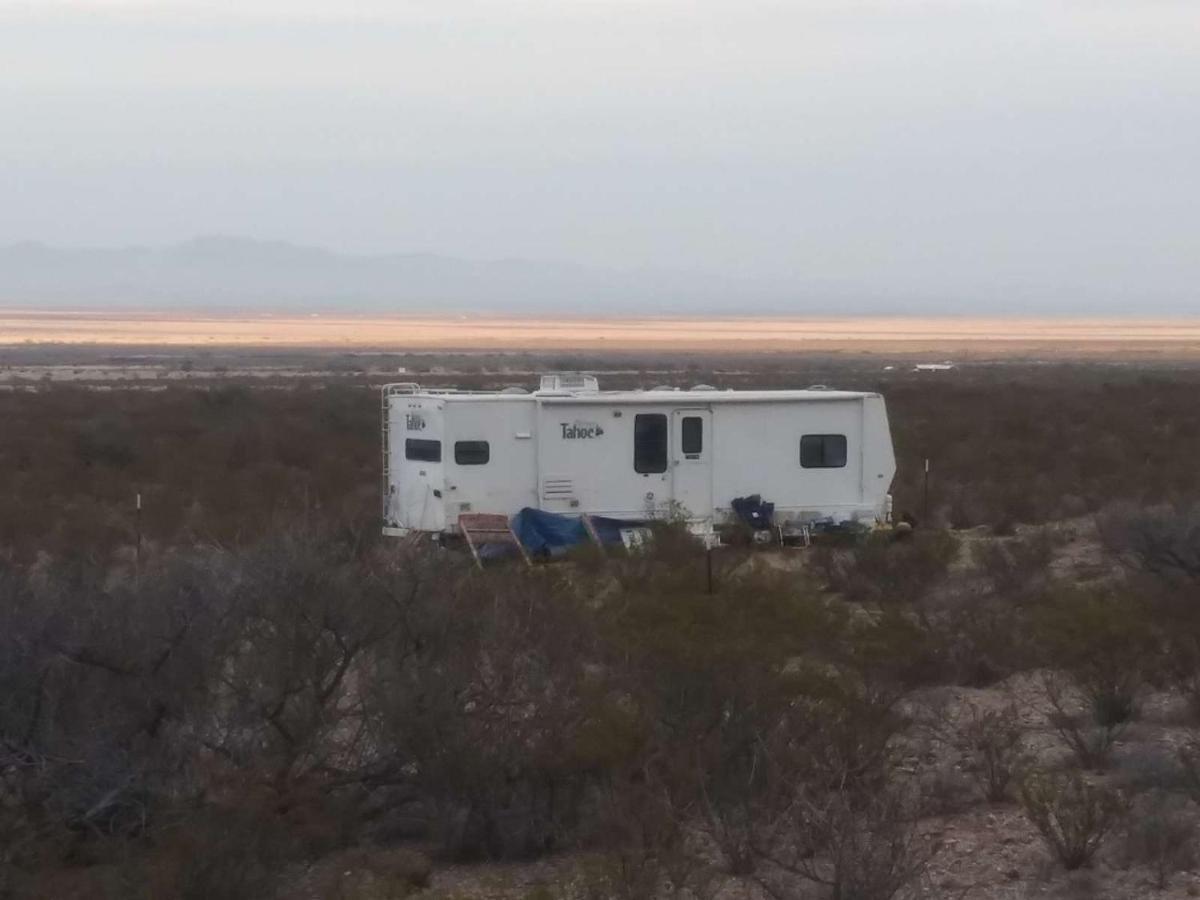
<point>691,462</point>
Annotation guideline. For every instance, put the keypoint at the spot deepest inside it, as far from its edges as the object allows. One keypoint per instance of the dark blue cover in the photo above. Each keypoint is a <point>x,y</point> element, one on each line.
<point>754,511</point>
<point>550,534</point>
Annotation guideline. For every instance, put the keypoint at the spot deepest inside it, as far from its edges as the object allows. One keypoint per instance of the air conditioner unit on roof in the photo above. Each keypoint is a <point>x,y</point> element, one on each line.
<point>570,381</point>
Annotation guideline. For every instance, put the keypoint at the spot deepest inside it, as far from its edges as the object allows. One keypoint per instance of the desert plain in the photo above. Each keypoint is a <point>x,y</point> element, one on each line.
<point>961,336</point>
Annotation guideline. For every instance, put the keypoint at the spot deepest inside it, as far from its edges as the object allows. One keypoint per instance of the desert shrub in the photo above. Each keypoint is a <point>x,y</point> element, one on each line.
<point>882,570</point>
<point>1163,540</point>
<point>488,694</point>
<point>1107,647</point>
<point>106,440</point>
<point>982,639</point>
<point>307,610</point>
<point>1150,767</point>
<point>857,846</point>
<point>229,853</point>
<point>1015,568</point>
<point>1073,817</point>
<point>99,682</point>
<point>1160,547</point>
<point>1161,834</point>
<point>647,854</point>
<point>995,740</point>
<point>1089,738</point>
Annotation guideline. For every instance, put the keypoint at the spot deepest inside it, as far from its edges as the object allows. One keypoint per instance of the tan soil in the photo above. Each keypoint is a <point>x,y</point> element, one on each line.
<point>948,335</point>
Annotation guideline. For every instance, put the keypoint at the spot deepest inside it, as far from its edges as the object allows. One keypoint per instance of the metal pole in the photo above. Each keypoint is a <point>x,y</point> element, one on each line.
<point>708,564</point>
<point>137,519</point>
<point>925,503</point>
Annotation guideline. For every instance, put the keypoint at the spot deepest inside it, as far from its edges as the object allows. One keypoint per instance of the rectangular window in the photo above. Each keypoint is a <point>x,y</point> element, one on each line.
<point>650,443</point>
<point>692,436</point>
<point>422,450</point>
<point>823,451</point>
<point>472,453</point>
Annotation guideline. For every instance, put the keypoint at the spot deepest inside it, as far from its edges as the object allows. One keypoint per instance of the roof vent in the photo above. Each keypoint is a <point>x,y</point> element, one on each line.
<point>703,387</point>
<point>514,390</point>
<point>664,387</point>
<point>818,387</point>
<point>571,382</point>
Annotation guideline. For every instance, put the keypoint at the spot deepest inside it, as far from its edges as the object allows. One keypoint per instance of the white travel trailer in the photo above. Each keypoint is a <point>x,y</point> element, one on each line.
<point>570,448</point>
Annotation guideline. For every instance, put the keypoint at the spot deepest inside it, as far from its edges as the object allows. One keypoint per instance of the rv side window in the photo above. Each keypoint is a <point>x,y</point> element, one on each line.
<point>823,451</point>
<point>472,453</point>
<point>650,443</point>
<point>692,436</point>
<point>422,450</point>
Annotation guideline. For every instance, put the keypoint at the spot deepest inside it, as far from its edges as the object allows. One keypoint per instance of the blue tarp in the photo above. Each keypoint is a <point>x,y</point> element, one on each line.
<point>549,534</point>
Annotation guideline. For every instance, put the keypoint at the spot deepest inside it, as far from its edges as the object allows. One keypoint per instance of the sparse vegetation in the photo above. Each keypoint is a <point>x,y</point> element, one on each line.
<point>269,692</point>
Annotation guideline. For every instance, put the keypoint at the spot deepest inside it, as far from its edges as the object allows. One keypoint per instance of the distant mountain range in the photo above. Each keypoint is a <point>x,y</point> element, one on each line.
<point>224,273</point>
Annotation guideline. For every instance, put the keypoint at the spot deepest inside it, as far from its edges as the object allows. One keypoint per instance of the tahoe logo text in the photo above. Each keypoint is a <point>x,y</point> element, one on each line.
<point>580,431</point>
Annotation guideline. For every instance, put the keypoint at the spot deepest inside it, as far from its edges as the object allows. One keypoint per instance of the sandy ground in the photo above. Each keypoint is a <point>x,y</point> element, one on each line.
<point>960,336</point>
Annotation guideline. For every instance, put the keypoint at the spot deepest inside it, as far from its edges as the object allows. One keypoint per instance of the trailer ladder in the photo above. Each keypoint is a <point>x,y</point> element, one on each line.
<point>488,528</point>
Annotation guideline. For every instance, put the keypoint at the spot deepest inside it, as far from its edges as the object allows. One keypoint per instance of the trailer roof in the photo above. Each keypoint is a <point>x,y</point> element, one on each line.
<point>634,397</point>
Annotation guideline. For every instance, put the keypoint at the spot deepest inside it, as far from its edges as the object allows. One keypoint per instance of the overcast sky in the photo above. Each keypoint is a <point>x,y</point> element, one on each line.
<point>989,151</point>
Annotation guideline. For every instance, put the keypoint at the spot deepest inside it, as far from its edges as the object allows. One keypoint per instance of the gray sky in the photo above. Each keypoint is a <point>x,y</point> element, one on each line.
<point>1027,152</point>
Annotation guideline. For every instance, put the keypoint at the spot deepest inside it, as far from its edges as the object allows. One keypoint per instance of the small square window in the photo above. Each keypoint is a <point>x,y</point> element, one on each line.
<point>472,453</point>
<point>823,451</point>
<point>422,450</point>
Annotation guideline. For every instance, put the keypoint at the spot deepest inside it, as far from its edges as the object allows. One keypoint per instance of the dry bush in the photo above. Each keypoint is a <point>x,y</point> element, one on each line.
<point>982,639</point>
<point>1089,738</point>
<point>880,570</point>
<point>307,612</point>
<point>218,853</point>
<point>1016,568</point>
<point>996,742</point>
<point>1162,540</point>
<point>1160,547</point>
<point>1073,817</point>
<point>648,853</point>
<point>1161,834</point>
<point>487,692</point>
<point>213,675</point>
<point>858,846</point>
<point>1105,645</point>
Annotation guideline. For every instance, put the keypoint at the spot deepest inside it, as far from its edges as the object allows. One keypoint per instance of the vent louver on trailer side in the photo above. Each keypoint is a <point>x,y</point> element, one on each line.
<point>557,487</point>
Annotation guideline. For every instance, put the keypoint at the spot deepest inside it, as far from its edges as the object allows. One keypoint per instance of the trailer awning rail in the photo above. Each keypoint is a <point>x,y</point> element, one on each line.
<point>411,387</point>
